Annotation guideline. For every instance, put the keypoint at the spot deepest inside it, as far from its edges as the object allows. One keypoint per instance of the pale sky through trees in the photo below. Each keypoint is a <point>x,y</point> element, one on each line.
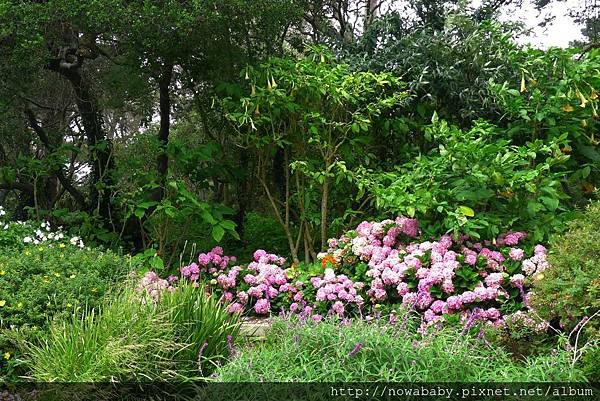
<point>560,32</point>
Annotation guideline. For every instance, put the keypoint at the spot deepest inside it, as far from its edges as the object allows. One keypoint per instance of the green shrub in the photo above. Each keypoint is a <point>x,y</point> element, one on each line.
<point>43,282</point>
<point>476,182</point>
<point>373,352</point>
<point>591,367</point>
<point>570,289</point>
<point>48,282</point>
<point>263,232</point>
<point>131,338</point>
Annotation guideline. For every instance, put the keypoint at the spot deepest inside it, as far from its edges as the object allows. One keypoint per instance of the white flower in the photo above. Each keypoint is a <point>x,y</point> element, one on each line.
<point>329,274</point>
<point>36,242</point>
<point>27,240</point>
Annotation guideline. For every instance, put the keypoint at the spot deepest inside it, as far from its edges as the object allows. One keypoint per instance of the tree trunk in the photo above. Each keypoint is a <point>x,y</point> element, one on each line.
<point>324,201</point>
<point>100,147</point>
<point>164,89</point>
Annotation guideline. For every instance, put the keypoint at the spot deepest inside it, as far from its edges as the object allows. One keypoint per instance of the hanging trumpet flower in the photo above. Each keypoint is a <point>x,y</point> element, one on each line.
<point>582,98</point>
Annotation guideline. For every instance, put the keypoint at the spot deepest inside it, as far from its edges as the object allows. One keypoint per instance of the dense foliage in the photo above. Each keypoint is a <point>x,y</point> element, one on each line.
<point>570,290</point>
<point>477,183</point>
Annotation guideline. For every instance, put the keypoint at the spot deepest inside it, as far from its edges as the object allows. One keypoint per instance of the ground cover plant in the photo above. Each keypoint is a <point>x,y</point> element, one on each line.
<point>335,351</point>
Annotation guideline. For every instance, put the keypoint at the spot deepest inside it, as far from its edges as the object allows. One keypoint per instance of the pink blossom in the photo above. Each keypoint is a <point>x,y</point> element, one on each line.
<point>454,302</point>
<point>517,280</point>
<point>516,253</point>
<point>259,254</point>
<point>235,308</point>
<point>262,306</point>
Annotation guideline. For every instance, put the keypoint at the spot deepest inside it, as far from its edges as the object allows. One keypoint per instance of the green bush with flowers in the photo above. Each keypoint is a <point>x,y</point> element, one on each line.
<point>49,281</point>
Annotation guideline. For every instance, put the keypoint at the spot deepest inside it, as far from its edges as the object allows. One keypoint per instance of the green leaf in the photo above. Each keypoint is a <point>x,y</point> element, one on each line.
<point>227,225</point>
<point>157,263</point>
<point>585,172</point>
<point>217,233</point>
<point>466,211</point>
<point>550,203</point>
<point>207,217</point>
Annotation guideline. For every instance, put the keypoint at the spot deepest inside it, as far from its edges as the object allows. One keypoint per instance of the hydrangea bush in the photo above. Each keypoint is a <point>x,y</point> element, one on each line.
<point>454,280</point>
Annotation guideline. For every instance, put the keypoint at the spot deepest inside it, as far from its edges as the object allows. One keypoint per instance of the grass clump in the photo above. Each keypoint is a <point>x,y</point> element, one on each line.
<point>133,339</point>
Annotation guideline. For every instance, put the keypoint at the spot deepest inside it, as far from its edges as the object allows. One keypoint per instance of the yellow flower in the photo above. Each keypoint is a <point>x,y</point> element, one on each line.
<point>2,272</point>
<point>2,302</point>
<point>56,274</point>
<point>20,305</point>
<point>27,253</point>
<point>72,276</point>
<point>7,355</point>
<point>69,305</point>
<point>567,108</point>
<point>61,245</point>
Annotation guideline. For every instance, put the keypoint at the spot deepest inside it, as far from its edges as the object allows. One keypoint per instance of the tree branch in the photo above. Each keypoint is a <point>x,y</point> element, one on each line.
<point>58,170</point>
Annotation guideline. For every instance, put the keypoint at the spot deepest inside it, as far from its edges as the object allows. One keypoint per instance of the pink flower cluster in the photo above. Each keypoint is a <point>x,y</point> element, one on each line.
<point>153,285</point>
<point>442,277</point>
<point>263,283</point>
<point>337,290</point>
<point>210,262</point>
<point>375,263</point>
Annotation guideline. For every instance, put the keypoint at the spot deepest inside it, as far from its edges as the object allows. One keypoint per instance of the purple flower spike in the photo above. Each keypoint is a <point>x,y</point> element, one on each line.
<point>200,355</point>
<point>232,350</point>
<point>355,350</point>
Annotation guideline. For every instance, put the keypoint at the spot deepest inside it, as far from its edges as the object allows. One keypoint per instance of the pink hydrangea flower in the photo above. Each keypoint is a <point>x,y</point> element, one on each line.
<point>262,306</point>
<point>516,253</point>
